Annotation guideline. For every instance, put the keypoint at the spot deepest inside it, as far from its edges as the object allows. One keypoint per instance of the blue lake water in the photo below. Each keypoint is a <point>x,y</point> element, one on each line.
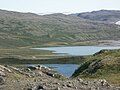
<point>68,69</point>
<point>64,69</point>
<point>76,50</point>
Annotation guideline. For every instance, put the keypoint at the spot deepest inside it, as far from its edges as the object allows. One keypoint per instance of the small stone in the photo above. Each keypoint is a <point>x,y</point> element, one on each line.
<point>84,83</point>
<point>57,83</point>
<point>5,68</point>
<point>39,87</point>
<point>64,85</point>
<point>104,82</point>
<point>69,85</point>
<point>2,74</point>
<point>93,88</point>
<point>76,88</point>
<point>2,80</point>
<point>80,80</point>
<point>2,70</point>
<point>57,88</point>
<point>28,69</point>
<point>40,73</point>
<point>32,67</point>
<point>50,74</point>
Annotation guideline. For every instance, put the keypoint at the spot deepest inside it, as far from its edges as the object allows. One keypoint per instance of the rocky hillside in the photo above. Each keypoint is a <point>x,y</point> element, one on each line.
<point>28,29</point>
<point>104,64</point>
<point>111,16</point>
<point>41,78</point>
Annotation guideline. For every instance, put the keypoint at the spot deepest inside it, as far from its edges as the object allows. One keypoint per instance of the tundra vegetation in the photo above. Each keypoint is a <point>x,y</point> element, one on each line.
<point>21,31</point>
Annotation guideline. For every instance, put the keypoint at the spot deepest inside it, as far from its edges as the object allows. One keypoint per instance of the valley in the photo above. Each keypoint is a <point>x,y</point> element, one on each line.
<point>32,39</point>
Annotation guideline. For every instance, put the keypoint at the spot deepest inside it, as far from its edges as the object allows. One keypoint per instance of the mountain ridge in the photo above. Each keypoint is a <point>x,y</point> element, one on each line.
<point>111,16</point>
<point>21,29</point>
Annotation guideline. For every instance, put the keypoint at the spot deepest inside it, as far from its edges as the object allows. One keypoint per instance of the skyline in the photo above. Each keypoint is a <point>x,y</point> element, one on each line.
<point>61,6</point>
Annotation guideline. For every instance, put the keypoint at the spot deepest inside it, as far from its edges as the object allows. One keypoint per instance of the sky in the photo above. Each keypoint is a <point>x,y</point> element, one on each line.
<point>58,6</point>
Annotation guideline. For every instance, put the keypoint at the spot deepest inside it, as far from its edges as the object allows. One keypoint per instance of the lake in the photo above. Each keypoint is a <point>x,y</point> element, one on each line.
<point>64,69</point>
<point>76,50</point>
<point>68,69</point>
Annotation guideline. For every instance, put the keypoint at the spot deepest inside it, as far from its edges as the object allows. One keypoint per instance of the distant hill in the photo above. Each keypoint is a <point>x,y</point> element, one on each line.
<point>29,29</point>
<point>111,16</point>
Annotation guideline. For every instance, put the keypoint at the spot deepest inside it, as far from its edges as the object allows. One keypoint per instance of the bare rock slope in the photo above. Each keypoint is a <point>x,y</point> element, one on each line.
<point>37,78</point>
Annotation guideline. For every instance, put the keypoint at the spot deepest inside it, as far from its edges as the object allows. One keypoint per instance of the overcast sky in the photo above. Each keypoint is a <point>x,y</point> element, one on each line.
<point>59,6</point>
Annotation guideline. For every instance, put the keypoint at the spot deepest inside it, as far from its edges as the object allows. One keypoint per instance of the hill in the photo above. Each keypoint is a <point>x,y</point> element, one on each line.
<point>28,29</point>
<point>111,16</point>
<point>104,64</point>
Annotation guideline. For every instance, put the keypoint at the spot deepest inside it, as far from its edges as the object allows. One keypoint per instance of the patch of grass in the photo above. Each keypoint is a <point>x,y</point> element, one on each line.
<point>62,60</point>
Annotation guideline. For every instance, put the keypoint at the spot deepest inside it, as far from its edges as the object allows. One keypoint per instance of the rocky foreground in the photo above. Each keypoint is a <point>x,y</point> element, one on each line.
<point>43,78</point>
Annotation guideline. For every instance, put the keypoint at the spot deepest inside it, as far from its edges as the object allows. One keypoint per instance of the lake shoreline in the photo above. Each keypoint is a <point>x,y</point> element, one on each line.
<point>66,70</point>
<point>76,50</point>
